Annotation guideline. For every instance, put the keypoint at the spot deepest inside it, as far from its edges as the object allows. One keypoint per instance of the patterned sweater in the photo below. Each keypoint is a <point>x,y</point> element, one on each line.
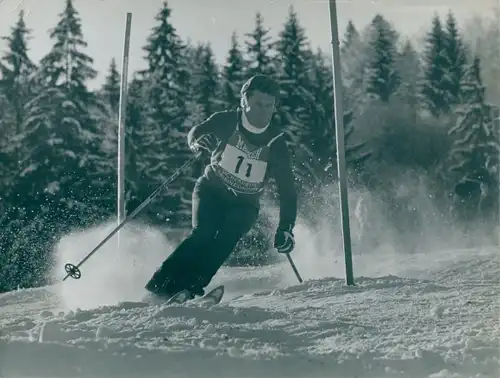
<point>243,162</point>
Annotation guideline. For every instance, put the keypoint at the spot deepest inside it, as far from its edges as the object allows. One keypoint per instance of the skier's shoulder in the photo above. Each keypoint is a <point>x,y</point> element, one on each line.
<point>277,137</point>
<point>219,122</point>
<point>223,115</point>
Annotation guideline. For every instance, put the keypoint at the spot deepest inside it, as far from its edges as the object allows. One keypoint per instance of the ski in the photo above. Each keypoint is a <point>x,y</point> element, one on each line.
<point>211,298</point>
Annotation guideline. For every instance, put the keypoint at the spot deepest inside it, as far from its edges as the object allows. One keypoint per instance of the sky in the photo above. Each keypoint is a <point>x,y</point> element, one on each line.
<point>215,20</point>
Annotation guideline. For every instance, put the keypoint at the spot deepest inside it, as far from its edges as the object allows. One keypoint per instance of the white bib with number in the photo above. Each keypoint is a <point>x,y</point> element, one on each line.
<point>242,166</point>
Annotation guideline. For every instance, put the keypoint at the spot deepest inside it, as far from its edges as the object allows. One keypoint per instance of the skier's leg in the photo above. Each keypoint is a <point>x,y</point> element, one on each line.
<point>238,221</point>
<point>177,271</point>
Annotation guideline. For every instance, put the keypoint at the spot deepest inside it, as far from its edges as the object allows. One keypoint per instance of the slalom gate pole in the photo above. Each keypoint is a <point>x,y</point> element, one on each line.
<point>294,267</point>
<point>339,140</point>
<point>73,271</point>
<point>122,111</point>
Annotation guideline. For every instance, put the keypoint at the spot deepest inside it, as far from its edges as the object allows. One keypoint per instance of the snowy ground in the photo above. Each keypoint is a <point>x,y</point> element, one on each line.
<point>428,315</point>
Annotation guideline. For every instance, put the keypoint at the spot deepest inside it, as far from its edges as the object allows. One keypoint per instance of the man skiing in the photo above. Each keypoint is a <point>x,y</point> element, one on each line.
<point>246,149</point>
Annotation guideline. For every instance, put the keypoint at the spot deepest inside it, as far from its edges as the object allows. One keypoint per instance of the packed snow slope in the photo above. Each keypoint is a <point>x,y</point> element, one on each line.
<point>426,315</point>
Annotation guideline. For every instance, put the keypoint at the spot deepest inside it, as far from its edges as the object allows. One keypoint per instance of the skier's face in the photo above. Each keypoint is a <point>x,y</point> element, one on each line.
<point>259,108</point>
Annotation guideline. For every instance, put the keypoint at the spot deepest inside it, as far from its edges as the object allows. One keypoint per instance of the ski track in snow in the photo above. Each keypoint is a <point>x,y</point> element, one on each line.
<point>442,323</point>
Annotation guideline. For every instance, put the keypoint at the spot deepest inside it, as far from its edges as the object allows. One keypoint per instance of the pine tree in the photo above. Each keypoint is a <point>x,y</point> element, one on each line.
<point>67,68</point>
<point>111,88</point>
<point>351,36</point>
<point>140,136</point>
<point>59,183</point>
<point>456,55</point>
<point>322,137</point>
<point>233,75</point>
<point>164,56</point>
<point>106,116</point>
<point>163,143</point>
<point>481,35</point>
<point>16,69</point>
<point>435,64</point>
<point>474,153</point>
<point>325,138</point>
<point>297,103</point>
<point>259,47</point>
<point>108,112</point>
<point>353,57</point>
<point>65,123</point>
<point>409,68</point>
<point>383,78</point>
<point>207,84</point>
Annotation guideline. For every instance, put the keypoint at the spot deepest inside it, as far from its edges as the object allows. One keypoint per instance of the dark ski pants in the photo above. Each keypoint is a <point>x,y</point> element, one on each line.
<point>219,221</point>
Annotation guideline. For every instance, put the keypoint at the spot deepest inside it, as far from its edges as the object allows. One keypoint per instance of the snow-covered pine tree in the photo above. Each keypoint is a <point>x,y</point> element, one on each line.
<point>105,114</point>
<point>297,102</point>
<point>233,75</point>
<point>435,64</point>
<point>138,122</point>
<point>16,70</point>
<point>351,36</point>
<point>322,84</point>
<point>409,70</point>
<point>110,90</point>
<point>481,35</point>
<point>207,83</point>
<point>109,94</point>
<point>259,50</point>
<point>353,57</point>
<point>325,139</point>
<point>475,150</point>
<point>57,130</point>
<point>59,184</point>
<point>67,69</point>
<point>162,142</point>
<point>456,57</point>
<point>322,135</point>
<point>382,77</point>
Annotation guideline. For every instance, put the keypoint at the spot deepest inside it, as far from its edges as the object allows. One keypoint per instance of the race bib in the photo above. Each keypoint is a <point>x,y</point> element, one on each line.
<point>242,168</point>
<point>240,165</point>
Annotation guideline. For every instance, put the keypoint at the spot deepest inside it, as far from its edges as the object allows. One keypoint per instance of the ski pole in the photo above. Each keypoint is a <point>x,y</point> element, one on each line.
<point>294,267</point>
<point>73,271</point>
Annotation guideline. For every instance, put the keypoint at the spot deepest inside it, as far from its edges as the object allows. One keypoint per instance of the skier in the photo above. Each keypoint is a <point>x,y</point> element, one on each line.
<point>246,149</point>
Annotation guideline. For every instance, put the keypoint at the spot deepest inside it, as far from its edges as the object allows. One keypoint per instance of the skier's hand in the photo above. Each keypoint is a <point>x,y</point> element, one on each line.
<point>207,142</point>
<point>284,241</point>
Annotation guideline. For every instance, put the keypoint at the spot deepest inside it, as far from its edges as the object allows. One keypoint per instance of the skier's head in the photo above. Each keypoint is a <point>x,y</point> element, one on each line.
<point>259,97</point>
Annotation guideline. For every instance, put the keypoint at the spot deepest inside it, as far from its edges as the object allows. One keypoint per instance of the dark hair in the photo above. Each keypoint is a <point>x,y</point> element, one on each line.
<point>261,83</point>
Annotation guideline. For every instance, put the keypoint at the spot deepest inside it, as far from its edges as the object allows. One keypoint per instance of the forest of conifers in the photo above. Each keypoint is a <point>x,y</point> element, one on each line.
<point>420,119</point>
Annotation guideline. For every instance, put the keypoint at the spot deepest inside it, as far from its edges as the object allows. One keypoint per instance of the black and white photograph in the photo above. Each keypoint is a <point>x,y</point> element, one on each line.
<point>249,188</point>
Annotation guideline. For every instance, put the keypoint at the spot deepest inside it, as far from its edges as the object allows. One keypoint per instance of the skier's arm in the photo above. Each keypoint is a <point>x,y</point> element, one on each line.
<point>204,129</point>
<point>285,182</point>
